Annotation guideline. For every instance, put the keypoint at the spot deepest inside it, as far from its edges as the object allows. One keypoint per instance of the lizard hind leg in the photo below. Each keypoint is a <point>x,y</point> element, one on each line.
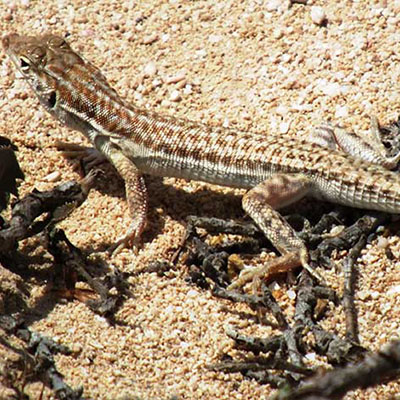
<point>369,148</point>
<point>261,203</point>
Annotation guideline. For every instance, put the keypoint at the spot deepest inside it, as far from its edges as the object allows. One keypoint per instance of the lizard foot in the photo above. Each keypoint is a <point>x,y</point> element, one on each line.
<point>132,239</point>
<point>88,156</point>
<point>281,264</point>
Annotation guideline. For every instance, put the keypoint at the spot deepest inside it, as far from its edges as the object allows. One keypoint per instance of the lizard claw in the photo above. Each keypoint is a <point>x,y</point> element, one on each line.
<point>130,240</point>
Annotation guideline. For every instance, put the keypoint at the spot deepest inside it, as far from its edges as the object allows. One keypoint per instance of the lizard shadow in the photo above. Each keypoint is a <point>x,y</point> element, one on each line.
<point>204,201</point>
<point>200,199</point>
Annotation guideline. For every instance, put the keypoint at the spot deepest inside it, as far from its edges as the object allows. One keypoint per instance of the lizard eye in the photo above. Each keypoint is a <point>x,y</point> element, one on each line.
<point>56,41</point>
<point>24,64</point>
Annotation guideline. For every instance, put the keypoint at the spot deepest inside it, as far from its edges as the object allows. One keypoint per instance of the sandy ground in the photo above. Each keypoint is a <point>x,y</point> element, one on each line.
<point>255,65</point>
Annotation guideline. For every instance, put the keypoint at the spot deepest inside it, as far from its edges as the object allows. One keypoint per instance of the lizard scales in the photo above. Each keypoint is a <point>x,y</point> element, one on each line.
<point>278,170</point>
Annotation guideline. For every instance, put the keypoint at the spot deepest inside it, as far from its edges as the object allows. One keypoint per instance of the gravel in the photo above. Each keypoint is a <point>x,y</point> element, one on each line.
<point>253,65</point>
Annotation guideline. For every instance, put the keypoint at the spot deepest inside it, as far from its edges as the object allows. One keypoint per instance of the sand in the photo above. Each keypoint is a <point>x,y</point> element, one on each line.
<point>253,65</point>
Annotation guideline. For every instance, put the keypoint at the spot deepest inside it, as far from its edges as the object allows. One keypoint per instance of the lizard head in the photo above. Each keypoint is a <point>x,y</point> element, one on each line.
<point>41,60</point>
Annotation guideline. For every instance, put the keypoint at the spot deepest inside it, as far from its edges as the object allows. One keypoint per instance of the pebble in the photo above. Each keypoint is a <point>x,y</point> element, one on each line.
<point>165,103</point>
<point>363,295</point>
<point>282,110</point>
<point>187,89</point>
<point>394,290</point>
<point>277,34</point>
<point>341,111</point>
<point>201,53</point>
<point>291,294</point>
<point>318,15</point>
<point>156,82</point>
<point>165,37</point>
<point>180,76</point>
<point>274,286</point>
<point>273,5</point>
<point>284,127</point>
<point>311,356</point>
<point>150,69</point>
<point>53,176</point>
<point>331,89</point>
<point>140,88</point>
<point>192,293</point>
<point>87,33</point>
<point>375,294</point>
<point>214,38</point>
<point>175,96</point>
<point>383,242</point>
<point>150,39</point>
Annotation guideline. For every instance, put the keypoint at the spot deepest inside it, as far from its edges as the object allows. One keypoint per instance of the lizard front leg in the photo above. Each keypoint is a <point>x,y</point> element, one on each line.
<point>261,203</point>
<point>136,194</point>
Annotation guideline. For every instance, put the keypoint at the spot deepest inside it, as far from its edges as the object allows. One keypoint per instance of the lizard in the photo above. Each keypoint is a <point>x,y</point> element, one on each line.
<point>275,170</point>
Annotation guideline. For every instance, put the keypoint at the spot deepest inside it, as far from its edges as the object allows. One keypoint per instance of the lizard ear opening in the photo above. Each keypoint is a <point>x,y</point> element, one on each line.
<point>52,99</point>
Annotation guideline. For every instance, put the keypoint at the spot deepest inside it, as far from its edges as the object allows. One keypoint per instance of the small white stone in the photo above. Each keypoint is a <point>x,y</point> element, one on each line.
<point>98,43</point>
<point>383,242</point>
<point>214,38</point>
<point>156,83</point>
<point>341,111</point>
<point>363,295</point>
<point>277,33</point>
<point>180,76</point>
<point>138,96</point>
<point>394,290</point>
<point>375,294</point>
<point>165,37</point>
<point>175,96</point>
<point>282,111</point>
<point>150,69</point>
<point>311,356</point>
<point>273,5</point>
<point>226,123</point>
<point>88,33</point>
<point>187,89</point>
<point>317,15</point>
<point>274,286</point>
<point>165,103</point>
<point>140,88</point>
<point>201,53</point>
<point>284,127</point>
<point>192,293</point>
<point>336,230</point>
<point>331,89</point>
<point>291,294</point>
<point>150,39</point>
<point>53,177</point>
<point>286,58</point>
